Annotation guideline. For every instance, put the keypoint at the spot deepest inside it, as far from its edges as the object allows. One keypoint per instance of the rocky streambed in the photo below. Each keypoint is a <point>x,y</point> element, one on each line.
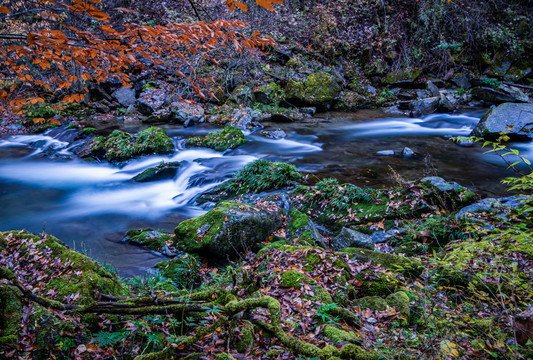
<point>91,205</point>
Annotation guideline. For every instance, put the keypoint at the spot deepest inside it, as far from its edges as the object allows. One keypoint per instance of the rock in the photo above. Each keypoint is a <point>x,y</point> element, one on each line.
<point>227,138</point>
<point>404,78</point>
<point>353,239</point>
<point>227,230</point>
<point>125,96</point>
<point>482,205</point>
<point>318,89</point>
<point>268,94</point>
<point>425,106</point>
<point>446,194</point>
<point>152,239</point>
<point>503,94</point>
<point>385,152</point>
<point>490,204</point>
<point>159,172</point>
<point>523,323</point>
<point>285,115</point>
<point>371,90</point>
<point>274,134</point>
<point>461,81</point>
<point>464,141</point>
<point>422,94</point>
<point>382,236</point>
<point>123,146</point>
<point>309,110</point>
<point>187,112</point>
<point>433,89</point>
<point>301,227</point>
<point>514,119</point>
<point>242,95</point>
<point>244,118</point>
<point>152,100</point>
<point>101,108</point>
<point>441,184</point>
<point>519,73</point>
<point>14,127</point>
<point>446,103</point>
<point>407,153</point>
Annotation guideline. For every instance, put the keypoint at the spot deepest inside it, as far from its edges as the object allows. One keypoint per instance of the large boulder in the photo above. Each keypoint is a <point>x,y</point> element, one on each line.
<point>424,106</point>
<point>514,119</point>
<point>503,94</point>
<point>319,89</point>
<point>125,96</point>
<point>120,145</point>
<point>227,230</point>
<point>152,100</point>
<point>187,112</point>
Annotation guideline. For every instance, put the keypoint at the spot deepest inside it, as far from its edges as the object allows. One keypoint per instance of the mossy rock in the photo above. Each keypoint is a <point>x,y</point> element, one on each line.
<point>295,279</point>
<point>400,301</point>
<point>246,340</point>
<point>403,78</point>
<point>165,170</point>
<point>10,315</point>
<point>227,138</point>
<point>90,276</point>
<point>120,145</point>
<point>270,93</point>
<point>390,261</point>
<point>376,303</point>
<point>303,229</point>
<point>340,336</point>
<point>227,230</point>
<point>153,240</point>
<point>319,89</point>
<point>446,194</point>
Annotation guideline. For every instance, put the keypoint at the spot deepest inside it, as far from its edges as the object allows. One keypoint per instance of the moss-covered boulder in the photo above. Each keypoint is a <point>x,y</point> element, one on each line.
<point>304,230</point>
<point>165,170</point>
<point>228,138</point>
<point>446,194</point>
<point>393,262</point>
<point>227,230</point>
<point>318,89</point>
<point>120,145</point>
<point>267,94</point>
<point>152,239</point>
<point>403,78</point>
<point>261,175</point>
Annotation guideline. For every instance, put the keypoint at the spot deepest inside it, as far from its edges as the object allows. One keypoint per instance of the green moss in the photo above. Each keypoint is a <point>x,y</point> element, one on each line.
<point>390,261</point>
<point>10,315</point>
<point>400,301</point>
<point>354,352</point>
<point>373,303</point>
<point>340,336</point>
<point>195,234</point>
<point>274,353</point>
<point>293,279</point>
<point>298,220</point>
<point>224,356</point>
<point>246,338</point>
<point>322,295</point>
<point>90,277</point>
<point>318,89</point>
<point>165,170</point>
<point>122,146</point>
<point>228,138</point>
<point>154,240</point>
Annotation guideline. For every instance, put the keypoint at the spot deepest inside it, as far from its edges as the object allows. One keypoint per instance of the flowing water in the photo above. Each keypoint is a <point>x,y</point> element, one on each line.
<point>90,205</point>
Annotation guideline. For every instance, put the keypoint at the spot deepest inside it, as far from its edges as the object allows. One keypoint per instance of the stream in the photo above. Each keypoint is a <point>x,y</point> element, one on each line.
<point>90,205</point>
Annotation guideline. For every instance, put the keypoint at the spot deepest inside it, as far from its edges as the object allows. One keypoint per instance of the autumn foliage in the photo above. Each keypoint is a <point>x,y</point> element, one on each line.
<point>59,47</point>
